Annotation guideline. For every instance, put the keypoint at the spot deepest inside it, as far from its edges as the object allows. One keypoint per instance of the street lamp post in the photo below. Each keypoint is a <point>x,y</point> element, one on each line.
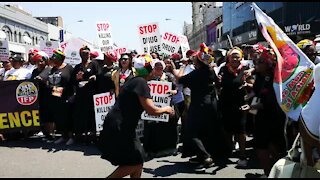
<point>65,27</point>
<point>183,23</point>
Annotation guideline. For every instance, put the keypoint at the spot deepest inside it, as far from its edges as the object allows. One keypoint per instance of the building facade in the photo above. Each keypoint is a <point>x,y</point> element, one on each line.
<point>56,21</point>
<point>204,15</point>
<point>298,20</point>
<point>19,27</point>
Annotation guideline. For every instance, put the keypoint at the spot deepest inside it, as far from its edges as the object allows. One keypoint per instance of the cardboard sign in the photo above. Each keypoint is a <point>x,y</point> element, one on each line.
<point>184,45</point>
<point>150,38</point>
<point>71,50</point>
<point>102,104</point>
<point>158,91</point>
<point>105,42</point>
<point>4,50</point>
<point>170,43</point>
<point>49,46</point>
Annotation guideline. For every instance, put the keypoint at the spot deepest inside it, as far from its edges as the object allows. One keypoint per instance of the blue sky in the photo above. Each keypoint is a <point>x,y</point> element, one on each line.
<point>124,17</point>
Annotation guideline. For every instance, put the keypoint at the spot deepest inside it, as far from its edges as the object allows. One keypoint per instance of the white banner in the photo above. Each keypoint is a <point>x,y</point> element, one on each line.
<point>4,50</point>
<point>184,45</point>
<point>150,38</point>
<point>105,42</point>
<point>49,46</point>
<point>102,104</point>
<point>170,43</point>
<point>158,91</point>
<point>71,50</point>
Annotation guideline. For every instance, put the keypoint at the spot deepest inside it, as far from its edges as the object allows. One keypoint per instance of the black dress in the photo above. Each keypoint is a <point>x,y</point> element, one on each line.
<point>118,141</point>
<point>231,99</point>
<point>83,112</point>
<point>202,123</point>
<point>59,107</point>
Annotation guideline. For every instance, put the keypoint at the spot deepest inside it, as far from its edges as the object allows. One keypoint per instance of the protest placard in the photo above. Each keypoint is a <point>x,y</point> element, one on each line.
<point>49,46</point>
<point>71,50</point>
<point>150,38</point>
<point>4,50</point>
<point>170,43</point>
<point>105,42</point>
<point>102,104</point>
<point>184,45</point>
<point>158,91</point>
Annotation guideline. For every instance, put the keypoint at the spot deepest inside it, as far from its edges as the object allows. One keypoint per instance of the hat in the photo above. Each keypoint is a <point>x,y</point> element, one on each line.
<point>175,56</point>
<point>266,55</point>
<point>305,43</point>
<point>33,51</point>
<point>94,54</point>
<point>190,52</point>
<point>142,64</point>
<point>40,56</point>
<point>84,48</point>
<point>17,57</point>
<point>112,56</point>
<point>58,53</point>
<point>99,55</point>
<point>203,55</point>
<point>155,61</point>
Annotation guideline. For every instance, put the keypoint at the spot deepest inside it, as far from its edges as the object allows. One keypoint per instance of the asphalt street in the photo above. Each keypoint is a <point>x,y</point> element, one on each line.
<point>35,158</point>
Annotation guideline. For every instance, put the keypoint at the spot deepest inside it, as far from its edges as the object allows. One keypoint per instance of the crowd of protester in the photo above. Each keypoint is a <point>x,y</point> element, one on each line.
<point>219,98</point>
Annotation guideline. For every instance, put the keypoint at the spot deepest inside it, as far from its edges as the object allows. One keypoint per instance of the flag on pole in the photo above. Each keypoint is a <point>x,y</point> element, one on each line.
<point>293,71</point>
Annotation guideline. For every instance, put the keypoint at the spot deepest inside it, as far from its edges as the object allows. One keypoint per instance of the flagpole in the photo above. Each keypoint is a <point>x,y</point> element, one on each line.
<point>230,42</point>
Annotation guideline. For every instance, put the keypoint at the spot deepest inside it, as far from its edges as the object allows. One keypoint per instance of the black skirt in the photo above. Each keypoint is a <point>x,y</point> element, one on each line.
<point>117,146</point>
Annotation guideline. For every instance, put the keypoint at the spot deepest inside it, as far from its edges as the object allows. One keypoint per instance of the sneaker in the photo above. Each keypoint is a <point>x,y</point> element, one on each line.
<point>207,163</point>
<point>194,160</point>
<point>70,141</point>
<point>242,163</point>
<point>60,140</point>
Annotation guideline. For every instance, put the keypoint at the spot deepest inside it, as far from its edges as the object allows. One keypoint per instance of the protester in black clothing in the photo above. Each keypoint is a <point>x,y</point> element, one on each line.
<point>118,141</point>
<point>232,98</point>
<point>270,119</point>
<point>104,80</point>
<point>59,82</point>
<point>41,74</point>
<point>84,81</point>
<point>203,135</point>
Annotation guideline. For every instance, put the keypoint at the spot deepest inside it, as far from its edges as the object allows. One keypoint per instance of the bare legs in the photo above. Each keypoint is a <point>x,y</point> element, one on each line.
<point>122,171</point>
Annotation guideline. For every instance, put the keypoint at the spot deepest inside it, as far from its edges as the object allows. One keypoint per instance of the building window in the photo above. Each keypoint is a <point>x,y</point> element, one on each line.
<point>15,37</point>
<point>36,40</point>
<point>33,43</point>
<point>20,37</point>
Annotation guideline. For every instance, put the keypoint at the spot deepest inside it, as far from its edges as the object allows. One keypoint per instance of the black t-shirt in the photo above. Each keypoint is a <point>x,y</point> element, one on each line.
<point>129,104</point>
<point>104,80</point>
<point>61,78</point>
<point>44,91</point>
<point>231,95</point>
<point>202,85</point>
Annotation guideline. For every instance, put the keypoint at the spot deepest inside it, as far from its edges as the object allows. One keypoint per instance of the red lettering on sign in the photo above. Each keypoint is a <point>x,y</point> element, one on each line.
<point>103,27</point>
<point>148,29</point>
<point>158,88</point>
<point>171,38</point>
<point>103,100</point>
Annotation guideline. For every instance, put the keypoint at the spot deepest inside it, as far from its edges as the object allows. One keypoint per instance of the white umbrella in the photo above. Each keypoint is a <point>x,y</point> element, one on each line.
<point>2,35</point>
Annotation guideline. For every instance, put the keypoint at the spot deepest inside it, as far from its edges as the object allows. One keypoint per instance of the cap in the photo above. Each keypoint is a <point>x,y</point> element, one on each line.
<point>17,57</point>
<point>40,56</point>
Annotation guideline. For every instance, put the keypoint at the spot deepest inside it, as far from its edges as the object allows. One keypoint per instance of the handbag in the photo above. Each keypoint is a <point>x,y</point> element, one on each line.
<point>287,168</point>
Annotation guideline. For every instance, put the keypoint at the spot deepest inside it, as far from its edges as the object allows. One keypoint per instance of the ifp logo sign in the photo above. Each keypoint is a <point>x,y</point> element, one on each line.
<point>26,93</point>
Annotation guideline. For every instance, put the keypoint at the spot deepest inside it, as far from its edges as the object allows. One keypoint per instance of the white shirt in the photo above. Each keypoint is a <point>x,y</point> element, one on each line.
<point>310,112</point>
<point>189,68</point>
<point>30,67</point>
<point>17,74</point>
